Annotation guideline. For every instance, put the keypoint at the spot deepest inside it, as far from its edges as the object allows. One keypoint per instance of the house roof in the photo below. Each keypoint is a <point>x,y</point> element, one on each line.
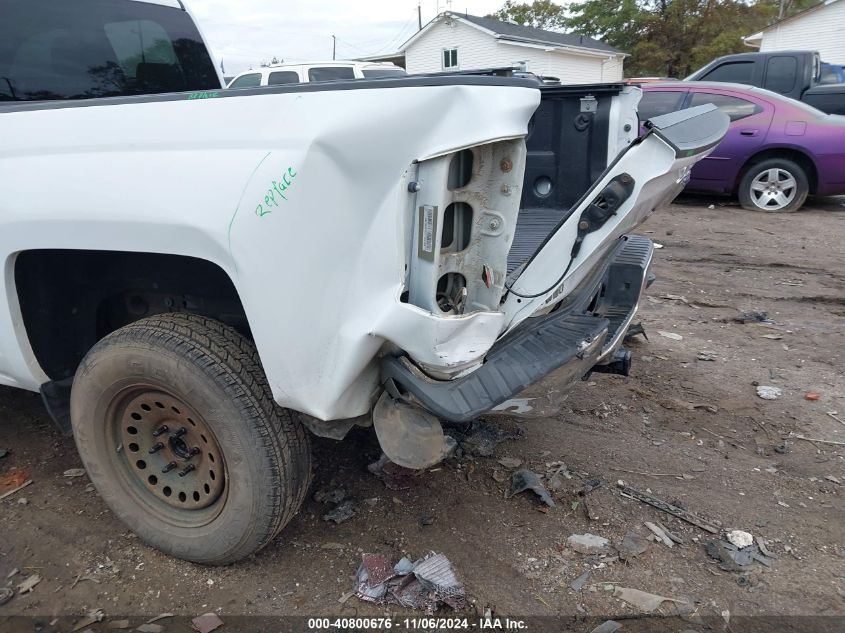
<point>540,36</point>
<point>509,31</point>
<point>753,39</point>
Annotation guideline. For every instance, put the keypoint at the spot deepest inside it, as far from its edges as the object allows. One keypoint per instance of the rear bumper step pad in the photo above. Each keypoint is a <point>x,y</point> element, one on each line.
<point>536,349</point>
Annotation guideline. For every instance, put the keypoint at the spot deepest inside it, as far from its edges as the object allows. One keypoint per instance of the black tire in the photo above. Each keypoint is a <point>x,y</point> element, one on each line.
<point>765,199</point>
<point>202,383</point>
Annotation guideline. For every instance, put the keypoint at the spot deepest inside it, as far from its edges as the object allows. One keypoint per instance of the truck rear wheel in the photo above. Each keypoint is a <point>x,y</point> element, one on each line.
<point>176,426</point>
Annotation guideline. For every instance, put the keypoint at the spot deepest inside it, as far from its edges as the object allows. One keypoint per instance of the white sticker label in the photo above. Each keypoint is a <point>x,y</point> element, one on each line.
<point>428,229</point>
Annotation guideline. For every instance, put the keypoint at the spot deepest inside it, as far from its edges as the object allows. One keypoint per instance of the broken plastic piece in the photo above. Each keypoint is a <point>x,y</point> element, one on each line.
<point>645,602</point>
<point>524,479</point>
<point>739,538</point>
<point>632,545</point>
<point>425,584</point>
<point>206,623</point>
<point>341,513</point>
<point>588,543</point>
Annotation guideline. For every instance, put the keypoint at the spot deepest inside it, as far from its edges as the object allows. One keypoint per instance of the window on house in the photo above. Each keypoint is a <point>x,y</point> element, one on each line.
<point>450,58</point>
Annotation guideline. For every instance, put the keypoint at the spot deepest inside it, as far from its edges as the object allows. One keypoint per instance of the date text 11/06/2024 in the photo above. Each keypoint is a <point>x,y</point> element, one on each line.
<point>417,624</point>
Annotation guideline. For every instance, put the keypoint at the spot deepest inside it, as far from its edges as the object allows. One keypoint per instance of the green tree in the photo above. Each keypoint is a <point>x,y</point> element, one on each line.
<point>663,37</point>
<point>542,14</point>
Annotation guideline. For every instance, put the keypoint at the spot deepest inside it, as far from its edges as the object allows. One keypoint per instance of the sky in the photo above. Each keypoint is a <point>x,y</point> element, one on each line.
<point>246,32</point>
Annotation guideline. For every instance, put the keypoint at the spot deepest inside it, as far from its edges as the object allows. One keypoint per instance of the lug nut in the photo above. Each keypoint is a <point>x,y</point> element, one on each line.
<point>160,430</point>
<point>168,468</point>
<point>194,452</point>
<point>155,448</point>
<point>186,470</point>
<point>180,432</point>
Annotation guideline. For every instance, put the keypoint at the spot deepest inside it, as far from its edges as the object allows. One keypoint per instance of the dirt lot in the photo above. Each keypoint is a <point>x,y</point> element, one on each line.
<point>686,425</point>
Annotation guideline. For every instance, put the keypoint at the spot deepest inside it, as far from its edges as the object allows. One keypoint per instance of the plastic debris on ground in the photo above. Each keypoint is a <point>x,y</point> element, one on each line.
<point>645,602</point>
<point>74,472</point>
<point>29,584</point>
<point>482,438</point>
<point>670,335</point>
<point>524,479</point>
<point>768,392</point>
<point>341,513</point>
<point>632,545</point>
<point>752,316</point>
<point>206,623</point>
<point>425,584</point>
<point>609,626</point>
<point>579,582</point>
<point>588,543</point>
<point>733,558</point>
<point>740,538</point>
<point>6,594</point>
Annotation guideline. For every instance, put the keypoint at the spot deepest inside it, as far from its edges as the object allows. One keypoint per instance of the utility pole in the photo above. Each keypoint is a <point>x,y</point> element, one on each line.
<point>334,47</point>
<point>419,15</point>
<point>782,9</point>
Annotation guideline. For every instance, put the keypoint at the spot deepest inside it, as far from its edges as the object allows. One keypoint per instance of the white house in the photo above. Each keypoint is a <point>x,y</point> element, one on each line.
<point>819,28</point>
<point>455,41</point>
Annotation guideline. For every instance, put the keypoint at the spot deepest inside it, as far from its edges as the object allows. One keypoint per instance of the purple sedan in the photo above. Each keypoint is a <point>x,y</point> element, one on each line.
<point>776,152</point>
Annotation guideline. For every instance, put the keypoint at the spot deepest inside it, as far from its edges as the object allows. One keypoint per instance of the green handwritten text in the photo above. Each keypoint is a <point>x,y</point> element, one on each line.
<point>275,193</point>
<point>203,95</point>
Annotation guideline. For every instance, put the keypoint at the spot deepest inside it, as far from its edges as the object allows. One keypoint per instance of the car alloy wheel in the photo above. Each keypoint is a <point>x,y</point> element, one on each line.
<point>773,189</point>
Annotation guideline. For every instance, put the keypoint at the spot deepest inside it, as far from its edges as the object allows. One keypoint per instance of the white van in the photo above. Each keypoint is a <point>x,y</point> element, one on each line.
<point>278,74</point>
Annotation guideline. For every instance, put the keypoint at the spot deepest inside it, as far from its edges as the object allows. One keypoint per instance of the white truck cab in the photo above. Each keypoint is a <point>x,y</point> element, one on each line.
<point>196,279</point>
<point>304,72</point>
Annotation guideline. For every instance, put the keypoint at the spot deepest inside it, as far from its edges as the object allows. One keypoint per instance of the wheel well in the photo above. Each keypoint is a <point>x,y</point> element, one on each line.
<point>794,155</point>
<point>71,299</point>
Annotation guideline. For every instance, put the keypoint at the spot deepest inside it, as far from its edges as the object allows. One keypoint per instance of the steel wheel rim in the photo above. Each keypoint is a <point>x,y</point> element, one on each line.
<point>773,189</point>
<point>168,456</point>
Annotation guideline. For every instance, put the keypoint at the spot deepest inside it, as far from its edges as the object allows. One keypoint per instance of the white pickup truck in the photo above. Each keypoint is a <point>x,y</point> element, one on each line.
<point>195,278</point>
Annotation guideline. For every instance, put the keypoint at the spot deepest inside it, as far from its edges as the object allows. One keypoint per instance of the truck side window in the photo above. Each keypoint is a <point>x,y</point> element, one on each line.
<point>734,107</point>
<point>654,103</point>
<point>331,73</point>
<point>733,72</point>
<point>53,49</point>
<point>247,81</point>
<point>781,73</point>
<point>283,77</point>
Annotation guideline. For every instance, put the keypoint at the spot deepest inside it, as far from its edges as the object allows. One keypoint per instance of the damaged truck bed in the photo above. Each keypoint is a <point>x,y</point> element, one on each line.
<point>216,270</point>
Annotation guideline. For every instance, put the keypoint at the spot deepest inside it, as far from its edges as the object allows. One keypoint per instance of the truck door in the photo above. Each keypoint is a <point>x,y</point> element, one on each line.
<point>783,76</point>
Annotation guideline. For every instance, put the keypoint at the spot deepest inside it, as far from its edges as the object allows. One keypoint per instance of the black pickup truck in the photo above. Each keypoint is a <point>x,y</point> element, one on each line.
<point>795,74</point>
